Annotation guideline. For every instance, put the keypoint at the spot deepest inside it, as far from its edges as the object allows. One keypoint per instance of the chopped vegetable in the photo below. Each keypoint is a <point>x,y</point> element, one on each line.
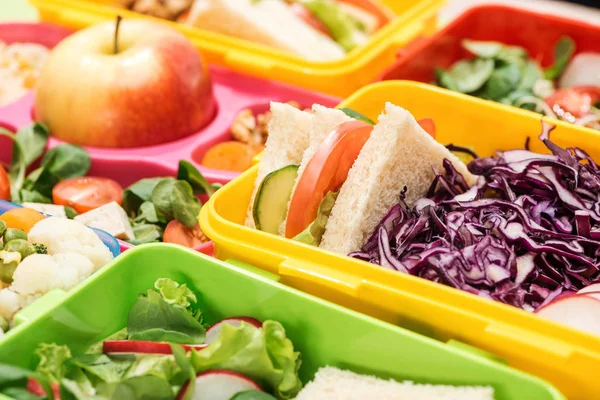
<point>525,234</point>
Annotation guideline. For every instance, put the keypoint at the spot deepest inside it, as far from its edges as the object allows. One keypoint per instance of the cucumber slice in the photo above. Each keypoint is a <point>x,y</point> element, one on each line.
<point>272,198</point>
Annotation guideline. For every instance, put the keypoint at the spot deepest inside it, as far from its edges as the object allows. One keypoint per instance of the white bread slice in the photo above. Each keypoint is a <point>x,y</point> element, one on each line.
<point>332,383</point>
<point>269,22</point>
<point>289,132</point>
<point>325,121</point>
<point>399,153</point>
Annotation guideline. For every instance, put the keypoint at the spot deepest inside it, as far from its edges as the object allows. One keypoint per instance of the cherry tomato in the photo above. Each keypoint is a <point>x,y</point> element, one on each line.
<point>86,193</point>
<point>4,184</point>
<point>177,233</point>
<point>428,126</point>
<point>577,100</point>
<point>326,171</point>
<point>21,218</point>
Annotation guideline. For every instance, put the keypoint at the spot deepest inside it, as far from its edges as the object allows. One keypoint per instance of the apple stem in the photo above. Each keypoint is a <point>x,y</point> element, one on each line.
<point>116,45</point>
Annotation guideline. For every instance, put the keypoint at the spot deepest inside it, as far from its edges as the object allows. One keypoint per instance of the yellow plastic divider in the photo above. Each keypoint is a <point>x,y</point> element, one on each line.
<point>342,77</point>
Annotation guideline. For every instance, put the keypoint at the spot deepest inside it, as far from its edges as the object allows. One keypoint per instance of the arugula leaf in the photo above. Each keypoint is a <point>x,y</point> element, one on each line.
<point>314,232</point>
<point>175,200</point>
<point>152,318</point>
<point>138,193</point>
<point>563,51</point>
<point>356,115</point>
<point>187,172</point>
<point>264,354</point>
<point>52,361</point>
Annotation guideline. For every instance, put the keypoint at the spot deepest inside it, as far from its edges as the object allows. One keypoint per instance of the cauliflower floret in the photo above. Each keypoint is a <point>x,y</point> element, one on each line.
<point>62,235</point>
<point>40,273</point>
<point>10,303</point>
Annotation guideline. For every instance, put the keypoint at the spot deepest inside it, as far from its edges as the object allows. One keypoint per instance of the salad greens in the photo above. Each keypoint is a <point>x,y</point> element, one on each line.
<point>504,73</point>
<point>166,313</point>
<point>314,232</point>
<point>153,202</point>
<point>62,162</point>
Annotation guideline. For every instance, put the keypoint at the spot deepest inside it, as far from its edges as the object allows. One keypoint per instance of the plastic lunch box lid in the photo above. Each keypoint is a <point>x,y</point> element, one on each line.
<point>109,240</point>
<point>340,77</point>
<point>553,351</point>
<point>100,305</point>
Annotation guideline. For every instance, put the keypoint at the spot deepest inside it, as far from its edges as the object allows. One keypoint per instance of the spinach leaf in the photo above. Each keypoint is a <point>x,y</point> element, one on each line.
<point>147,213</point>
<point>512,54</point>
<point>187,172</point>
<point>175,200</point>
<point>531,74</point>
<point>482,48</point>
<point>32,196</point>
<point>356,115</point>
<point>138,193</point>
<point>152,318</point>
<point>66,161</point>
<point>467,76</point>
<point>146,233</point>
<point>31,141</point>
<point>563,51</point>
<point>502,81</point>
<point>138,388</point>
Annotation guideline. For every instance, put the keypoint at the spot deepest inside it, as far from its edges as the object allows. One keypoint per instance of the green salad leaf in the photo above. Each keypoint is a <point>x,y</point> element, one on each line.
<point>174,293</point>
<point>175,199</point>
<point>252,395</point>
<point>563,51</point>
<point>152,318</point>
<point>356,115</point>
<point>467,76</point>
<point>187,172</point>
<point>265,355</point>
<point>52,361</point>
<point>137,388</point>
<point>14,379</point>
<point>314,232</point>
<point>138,193</point>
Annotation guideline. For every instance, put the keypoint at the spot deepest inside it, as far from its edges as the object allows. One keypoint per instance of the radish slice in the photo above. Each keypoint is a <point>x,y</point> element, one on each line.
<point>34,387</point>
<point>590,289</point>
<point>140,346</point>
<point>577,311</point>
<point>213,332</point>
<point>219,384</point>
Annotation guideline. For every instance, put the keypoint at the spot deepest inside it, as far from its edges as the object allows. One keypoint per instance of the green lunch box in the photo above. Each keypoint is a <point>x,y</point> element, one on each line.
<point>325,333</point>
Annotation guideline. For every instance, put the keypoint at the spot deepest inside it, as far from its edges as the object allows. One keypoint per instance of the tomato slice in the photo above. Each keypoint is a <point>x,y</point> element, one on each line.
<point>326,171</point>
<point>177,233</point>
<point>86,193</point>
<point>304,14</point>
<point>577,100</point>
<point>143,347</point>
<point>428,126</point>
<point>4,184</point>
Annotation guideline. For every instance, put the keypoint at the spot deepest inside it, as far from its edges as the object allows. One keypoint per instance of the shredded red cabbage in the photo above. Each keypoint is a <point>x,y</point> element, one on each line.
<point>525,234</point>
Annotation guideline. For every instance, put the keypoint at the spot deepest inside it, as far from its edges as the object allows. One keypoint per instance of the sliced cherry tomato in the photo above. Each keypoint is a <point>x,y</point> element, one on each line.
<point>143,347</point>
<point>304,14</point>
<point>577,100</point>
<point>21,218</point>
<point>86,193</point>
<point>177,233</point>
<point>428,126</point>
<point>326,171</point>
<point>4,184</point>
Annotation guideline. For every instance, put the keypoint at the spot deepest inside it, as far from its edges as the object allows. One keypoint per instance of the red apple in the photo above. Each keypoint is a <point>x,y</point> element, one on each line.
<point>154,89</point>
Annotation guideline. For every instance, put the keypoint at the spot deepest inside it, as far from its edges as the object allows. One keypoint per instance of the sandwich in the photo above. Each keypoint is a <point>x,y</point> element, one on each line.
<point>332,383</point>
<point>328,177</point>
<point>319,30</point>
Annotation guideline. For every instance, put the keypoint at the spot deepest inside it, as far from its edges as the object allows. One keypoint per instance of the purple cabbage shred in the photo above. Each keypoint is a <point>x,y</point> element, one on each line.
<point>525,234</point>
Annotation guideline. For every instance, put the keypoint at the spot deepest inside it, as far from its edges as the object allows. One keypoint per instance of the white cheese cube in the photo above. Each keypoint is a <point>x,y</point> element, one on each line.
<point>110,218</point>
<point>50,209</point>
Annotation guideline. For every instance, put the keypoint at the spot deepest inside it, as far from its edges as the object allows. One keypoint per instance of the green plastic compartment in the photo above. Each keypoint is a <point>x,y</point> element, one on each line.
<point>326,334</point>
